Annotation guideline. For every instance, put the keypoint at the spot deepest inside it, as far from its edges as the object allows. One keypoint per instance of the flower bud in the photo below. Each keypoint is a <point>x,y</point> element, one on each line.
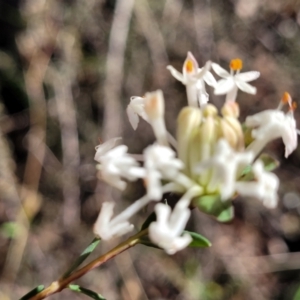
<point>155,110</point>
<point>189,119</point>
<point>233,133</point>
<point>230,126</point>
<point>230,109</point>
<point>155,105</point>
<point>209,135</point>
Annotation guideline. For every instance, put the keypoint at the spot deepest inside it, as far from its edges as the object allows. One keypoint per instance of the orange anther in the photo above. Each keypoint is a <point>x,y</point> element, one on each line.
<point>236,64</point>
<point>189,66</point>
<point>286,98</point>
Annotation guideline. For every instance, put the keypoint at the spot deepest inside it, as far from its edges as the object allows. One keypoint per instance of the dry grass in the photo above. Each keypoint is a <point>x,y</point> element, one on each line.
<point>67,71</point>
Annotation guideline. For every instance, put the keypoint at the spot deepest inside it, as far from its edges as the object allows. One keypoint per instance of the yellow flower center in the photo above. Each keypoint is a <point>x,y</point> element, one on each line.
<point>189,66</point>
<point>236,64</point>
<point>286,98</point>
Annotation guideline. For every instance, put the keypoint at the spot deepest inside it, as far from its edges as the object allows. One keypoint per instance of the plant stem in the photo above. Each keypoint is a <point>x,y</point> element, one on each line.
<point>63,283</point>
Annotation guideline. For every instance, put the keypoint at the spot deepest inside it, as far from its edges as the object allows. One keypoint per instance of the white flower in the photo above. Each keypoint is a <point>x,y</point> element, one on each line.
<point>160,163</point>
<point>136,109</point>
<point>264,188</point>
<point>152,109</point>
<point>116,164</point>
<point>105,228</point>
<point>232,82</point>
<point>155,110</point>
<point>103,148</point>
<point>269,125</point>
<point>167,229</point>
<point>193,78</point>
<point>204,76</point>
<point>226,164</point>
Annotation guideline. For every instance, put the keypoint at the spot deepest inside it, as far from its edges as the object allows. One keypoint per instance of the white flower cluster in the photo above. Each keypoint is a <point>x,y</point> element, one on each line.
<point>211,153</point>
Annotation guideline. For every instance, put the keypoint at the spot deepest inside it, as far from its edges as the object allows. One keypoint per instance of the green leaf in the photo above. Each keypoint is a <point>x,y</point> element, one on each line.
<point>214,206</point>
<point>79,289</point>
<point>199,241</point>
<point>247,170</point>
<point>10,229</point>
<point>270,163</point>
<point>226,215</point>
<point>83,256</point>
<point>33,292</point>
<point>151,218</point>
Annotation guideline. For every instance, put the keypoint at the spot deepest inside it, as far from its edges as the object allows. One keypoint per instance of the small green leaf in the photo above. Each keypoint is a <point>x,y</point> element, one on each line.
<point>214,206</point>
<point>226,215</point>
<point>10,229</point>
<point>79,289</point>
<point>84,255</point>
<point>270,163</point>
<point>247,170</point>
<point>33,292</point>
<point>151,218</point>
<point>199,241</point>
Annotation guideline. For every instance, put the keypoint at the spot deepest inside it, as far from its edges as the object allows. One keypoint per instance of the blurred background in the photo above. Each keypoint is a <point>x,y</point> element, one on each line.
<point>67,71</point>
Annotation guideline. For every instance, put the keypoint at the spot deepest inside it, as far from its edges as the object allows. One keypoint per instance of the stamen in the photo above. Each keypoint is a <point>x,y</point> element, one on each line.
<point>236,64</point>
<point>189,66</point>
<point>286,98</point>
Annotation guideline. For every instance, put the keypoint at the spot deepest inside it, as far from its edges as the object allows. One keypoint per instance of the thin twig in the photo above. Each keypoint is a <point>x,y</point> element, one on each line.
<point>59,285</point>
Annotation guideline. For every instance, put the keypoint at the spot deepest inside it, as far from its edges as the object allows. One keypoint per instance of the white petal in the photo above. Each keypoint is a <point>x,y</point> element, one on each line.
<point>179,244</point>
<point>153,183</point>
<point>113,180</point>
<point>210,79</point>
<point>104,217</point>
<point>246,87</point>
<point>265,117</point>
<point>118,151</point>
<point>120,229</point>
<point>178,220</point>
<point>223,86</point>
<point>220,71</point>
<point>289,135</point>
<point>132,116</point>
<point>247,76</point>
<point>202,71</point>
<point>162,212</point>
<point>166,230</point>
<point>137,172</point>
<point>264,187</point>
<point>176,74</point>
<point>103,148</point>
